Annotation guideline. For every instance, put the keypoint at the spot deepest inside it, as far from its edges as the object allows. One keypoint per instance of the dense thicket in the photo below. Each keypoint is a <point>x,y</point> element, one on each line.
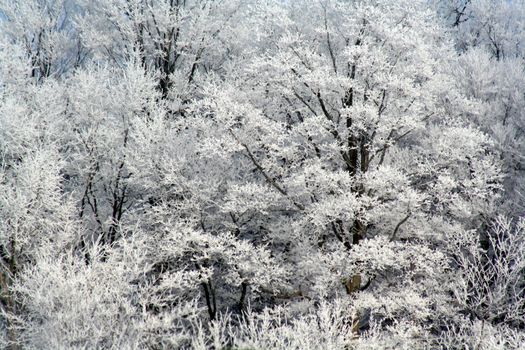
<point>243,174</point>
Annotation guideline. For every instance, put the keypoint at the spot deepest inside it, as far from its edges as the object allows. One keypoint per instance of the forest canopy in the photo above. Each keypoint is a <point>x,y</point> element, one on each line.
<point>262,174</point>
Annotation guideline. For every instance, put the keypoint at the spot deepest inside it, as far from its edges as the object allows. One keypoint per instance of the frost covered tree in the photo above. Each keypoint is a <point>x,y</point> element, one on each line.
<point>497,85</point>
<point>46,30</point>
<point>490,36</point>
<point>182,41</point>
<point>354,138</point>
<point>494,25</point>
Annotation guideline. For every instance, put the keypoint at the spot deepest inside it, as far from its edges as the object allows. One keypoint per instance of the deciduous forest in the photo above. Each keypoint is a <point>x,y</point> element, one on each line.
<point>262,174</point>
